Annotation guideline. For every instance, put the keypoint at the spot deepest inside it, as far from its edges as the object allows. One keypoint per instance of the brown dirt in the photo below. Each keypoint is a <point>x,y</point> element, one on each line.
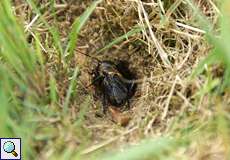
<point>163,92</point>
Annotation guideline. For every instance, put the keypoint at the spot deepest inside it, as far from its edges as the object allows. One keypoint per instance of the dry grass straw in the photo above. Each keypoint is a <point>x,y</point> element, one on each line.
<point>163,56</point>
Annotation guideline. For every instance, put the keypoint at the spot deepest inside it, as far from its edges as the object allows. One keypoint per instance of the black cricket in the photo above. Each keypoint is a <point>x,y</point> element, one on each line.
<point>114,82</point>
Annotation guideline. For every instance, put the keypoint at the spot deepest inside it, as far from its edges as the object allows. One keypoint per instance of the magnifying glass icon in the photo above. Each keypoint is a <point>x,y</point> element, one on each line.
<point>9,147</point>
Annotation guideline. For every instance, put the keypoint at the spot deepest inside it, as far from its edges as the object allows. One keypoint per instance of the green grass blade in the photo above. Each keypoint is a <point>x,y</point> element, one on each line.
<point>221,50</point>
<point>53,90</point>
<point>147,149</point>
<point>4,108</point>
<point>204,23</point>
<point>70,90</point>
<point>77,26</point>
<point>120,39</point>
<point>52,29</point>
<point>81,114</point>
<point>210,59</point>
<point>14,48</point>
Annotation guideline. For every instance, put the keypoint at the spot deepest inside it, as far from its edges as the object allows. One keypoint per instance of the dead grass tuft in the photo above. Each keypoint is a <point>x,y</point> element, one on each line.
<point>163,57</point>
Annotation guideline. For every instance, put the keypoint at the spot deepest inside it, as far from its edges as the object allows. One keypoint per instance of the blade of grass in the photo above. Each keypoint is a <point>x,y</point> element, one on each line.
<point>210,59</point>
<point>14,48</point>
<point>70,90</point>
<point>81,114</point>
<point>76,28</point>
<point>202,20</point>
<point>146,149</point>
<point>53,90</point>
<point>17,68</point>
<point>4,106</point>
<point>221,50</point>
<point>53,30</point>
<point>120,39</point>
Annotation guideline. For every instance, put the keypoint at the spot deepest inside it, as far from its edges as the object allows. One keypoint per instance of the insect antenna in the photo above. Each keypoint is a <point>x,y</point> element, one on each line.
<point>89,56</point>
<point>94,81</point>
<point>99,61</point>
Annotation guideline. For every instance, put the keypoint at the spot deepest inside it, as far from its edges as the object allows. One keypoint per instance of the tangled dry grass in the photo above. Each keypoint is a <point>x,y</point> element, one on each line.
<point>163,55</point>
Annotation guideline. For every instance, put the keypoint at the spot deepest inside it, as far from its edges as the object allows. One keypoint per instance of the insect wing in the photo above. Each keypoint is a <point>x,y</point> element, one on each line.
<point>119,89</point>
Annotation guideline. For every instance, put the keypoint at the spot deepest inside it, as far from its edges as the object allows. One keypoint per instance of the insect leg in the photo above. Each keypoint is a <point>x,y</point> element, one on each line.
<point>104,103</point>
<point>131,88</point>
<point>94,81</point>
<point>130,93</point>
<point>104,107</point>
<point>128,104</point>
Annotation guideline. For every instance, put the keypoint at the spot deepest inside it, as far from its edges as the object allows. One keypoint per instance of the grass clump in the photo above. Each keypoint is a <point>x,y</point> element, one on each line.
<point>178,50</point>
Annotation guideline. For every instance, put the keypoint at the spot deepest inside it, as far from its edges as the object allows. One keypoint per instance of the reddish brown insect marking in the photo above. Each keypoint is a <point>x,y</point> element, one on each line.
<point>119,117</point>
